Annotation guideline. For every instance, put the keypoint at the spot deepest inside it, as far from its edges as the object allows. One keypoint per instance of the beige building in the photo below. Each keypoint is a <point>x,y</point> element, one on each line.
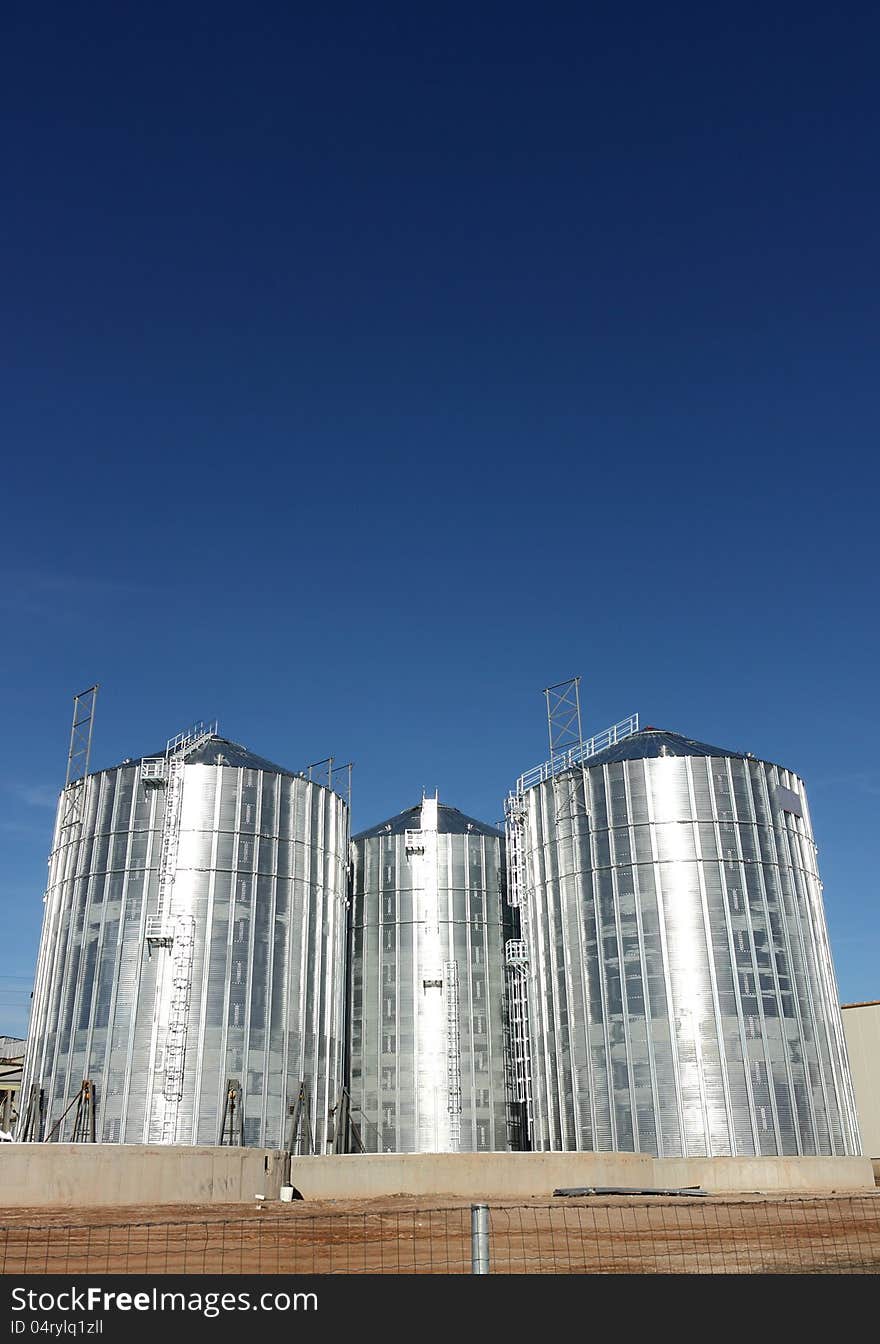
<point>11,1060</point>
<point>861,1025</point>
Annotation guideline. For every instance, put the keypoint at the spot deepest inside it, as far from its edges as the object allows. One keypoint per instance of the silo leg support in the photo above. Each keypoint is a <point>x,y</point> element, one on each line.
<point>480,1239</point>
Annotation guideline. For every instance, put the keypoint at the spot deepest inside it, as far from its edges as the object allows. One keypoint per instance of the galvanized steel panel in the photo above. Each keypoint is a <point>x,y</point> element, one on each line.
<point>261,873</point>
<point>427,987</point>
<point>682,997</point>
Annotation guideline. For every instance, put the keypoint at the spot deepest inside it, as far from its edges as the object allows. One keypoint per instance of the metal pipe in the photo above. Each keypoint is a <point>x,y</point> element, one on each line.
<point>480,1239</point>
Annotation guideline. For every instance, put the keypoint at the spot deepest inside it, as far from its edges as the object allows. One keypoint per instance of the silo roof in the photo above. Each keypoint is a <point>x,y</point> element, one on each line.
<point>657,742</point>
<point>222,751</point>
<point>449,822</point>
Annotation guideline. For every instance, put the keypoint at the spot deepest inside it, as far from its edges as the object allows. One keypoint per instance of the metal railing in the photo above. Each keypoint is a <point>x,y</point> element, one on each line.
<point>627,1235</point>
<point>191,737</point>
<point>154,770</point>
<point>563,760</point>
<point>414,842</point>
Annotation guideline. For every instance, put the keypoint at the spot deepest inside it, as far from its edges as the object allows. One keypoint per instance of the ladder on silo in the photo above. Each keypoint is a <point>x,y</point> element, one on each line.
<point>453,1051</point>
<point>517,956</point>
<point>178,1019</point>
<point>514,811</point>
<point>167,772</point>
<point>517,973</point>
<point>162,931</point>
<point>159,933</point>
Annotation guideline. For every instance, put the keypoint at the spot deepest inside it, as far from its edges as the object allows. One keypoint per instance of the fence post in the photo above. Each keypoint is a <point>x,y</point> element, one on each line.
<point>479,1238</point>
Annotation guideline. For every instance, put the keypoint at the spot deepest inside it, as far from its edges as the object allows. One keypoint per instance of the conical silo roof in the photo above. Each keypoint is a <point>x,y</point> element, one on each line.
<point>449,822</point>
<point>657,742</point>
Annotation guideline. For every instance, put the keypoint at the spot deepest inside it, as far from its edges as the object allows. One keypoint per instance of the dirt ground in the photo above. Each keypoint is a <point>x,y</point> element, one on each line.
<point>404,1235</point>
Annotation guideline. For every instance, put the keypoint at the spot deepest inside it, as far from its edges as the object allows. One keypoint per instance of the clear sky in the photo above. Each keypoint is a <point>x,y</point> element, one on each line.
<point>363,369</point>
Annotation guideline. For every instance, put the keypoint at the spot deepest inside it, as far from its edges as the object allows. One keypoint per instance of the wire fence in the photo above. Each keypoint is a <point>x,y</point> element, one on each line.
<point>782,1236</point>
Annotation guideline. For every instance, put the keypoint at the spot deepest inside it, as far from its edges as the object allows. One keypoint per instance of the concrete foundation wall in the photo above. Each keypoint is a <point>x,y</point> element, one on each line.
<point>727,1175</point>
<point>527,1175</point>
<point>67,1175</point>
<point>477,1175</point>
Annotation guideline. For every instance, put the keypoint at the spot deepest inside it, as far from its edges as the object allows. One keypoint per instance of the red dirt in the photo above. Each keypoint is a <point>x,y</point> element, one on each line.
<point>623,1234</point>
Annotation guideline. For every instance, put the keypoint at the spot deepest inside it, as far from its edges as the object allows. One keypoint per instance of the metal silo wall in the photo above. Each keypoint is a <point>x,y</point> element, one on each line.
<point>89,965</point>
<point>262,872</point>
<point>399,1040</point>
<point>682,995</point>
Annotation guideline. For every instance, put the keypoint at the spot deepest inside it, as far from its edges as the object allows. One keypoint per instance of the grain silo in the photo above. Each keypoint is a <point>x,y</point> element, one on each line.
<point>675,959</point>
<point>427,1003</point>
<point>191,966</point>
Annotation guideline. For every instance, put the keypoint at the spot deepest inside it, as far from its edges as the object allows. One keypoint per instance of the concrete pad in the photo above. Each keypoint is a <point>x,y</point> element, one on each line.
<point>67,1175</point>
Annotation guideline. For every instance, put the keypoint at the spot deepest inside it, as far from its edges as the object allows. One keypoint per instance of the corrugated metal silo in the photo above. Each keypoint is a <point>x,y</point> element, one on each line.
<point>681,993</point>
<point>427,1007</point>
<point>194,933</point>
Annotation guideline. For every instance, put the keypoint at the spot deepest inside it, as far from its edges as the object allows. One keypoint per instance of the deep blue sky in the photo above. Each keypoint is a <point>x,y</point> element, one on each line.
<point>365,368</point>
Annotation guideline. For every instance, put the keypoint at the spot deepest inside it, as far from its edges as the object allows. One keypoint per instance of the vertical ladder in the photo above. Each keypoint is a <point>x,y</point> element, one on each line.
<point>517,956</point>
<point>165,930</point>
<point>453,1051</point>
<point>517,971</point>
<point>159,931</point>
<point>178,1018</point>
<point>167,772</point>
<point>514,811</point>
